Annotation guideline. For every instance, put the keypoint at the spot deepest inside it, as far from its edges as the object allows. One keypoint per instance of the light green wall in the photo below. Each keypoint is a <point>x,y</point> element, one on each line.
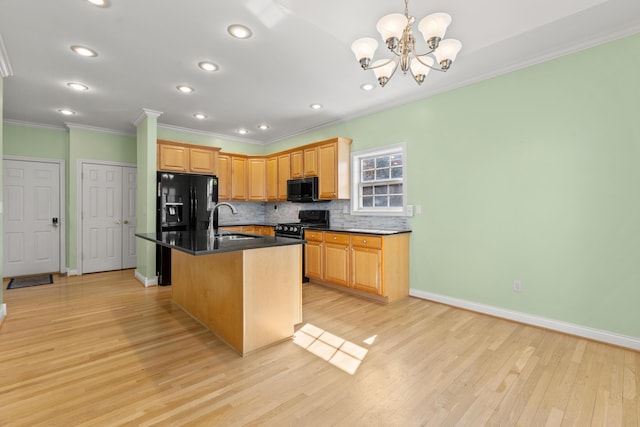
<point>146,195</point>
<point>532,176</point>
<point>36,142</point>
<point>224,144</point>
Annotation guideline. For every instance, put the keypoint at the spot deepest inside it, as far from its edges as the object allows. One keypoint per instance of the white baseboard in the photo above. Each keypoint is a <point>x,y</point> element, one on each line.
<point>145,280</point>
<point>529,319</point>
<point>3,312</point>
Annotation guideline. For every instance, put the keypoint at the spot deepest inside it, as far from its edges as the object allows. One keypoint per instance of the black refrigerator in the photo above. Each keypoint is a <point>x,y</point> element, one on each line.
<point>184,202</point>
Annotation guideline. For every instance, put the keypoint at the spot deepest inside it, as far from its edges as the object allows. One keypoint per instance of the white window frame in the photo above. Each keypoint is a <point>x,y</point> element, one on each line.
<point>356,205</point>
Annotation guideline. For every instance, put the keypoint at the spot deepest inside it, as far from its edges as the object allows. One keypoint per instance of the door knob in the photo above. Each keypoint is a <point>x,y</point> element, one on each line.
<point>126,221</point>
<point>118,222</point>
<point>54,221</point>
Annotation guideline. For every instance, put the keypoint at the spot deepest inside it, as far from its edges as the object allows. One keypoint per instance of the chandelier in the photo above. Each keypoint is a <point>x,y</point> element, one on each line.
<point>396,30</point>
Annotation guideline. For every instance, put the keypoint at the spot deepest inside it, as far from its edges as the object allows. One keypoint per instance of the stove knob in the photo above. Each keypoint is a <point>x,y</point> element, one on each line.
<point>294,229</point>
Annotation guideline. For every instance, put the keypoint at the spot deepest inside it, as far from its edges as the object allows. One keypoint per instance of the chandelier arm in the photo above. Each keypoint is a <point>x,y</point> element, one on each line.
<point>380,65</point>
<point>418,56</point>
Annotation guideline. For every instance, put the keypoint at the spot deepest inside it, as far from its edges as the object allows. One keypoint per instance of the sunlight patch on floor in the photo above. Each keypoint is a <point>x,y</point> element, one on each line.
<point>339,352</point>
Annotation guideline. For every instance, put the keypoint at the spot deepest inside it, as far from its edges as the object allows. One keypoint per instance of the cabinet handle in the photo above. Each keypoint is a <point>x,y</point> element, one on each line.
<point>335,238</point>
<point>364,241</point>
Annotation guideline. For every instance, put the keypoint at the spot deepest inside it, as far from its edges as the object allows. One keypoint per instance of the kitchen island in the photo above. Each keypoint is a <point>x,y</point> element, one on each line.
<point>246,289</point>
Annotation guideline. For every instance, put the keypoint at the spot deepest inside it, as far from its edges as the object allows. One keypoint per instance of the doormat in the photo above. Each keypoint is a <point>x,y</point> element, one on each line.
<point>25,282</point>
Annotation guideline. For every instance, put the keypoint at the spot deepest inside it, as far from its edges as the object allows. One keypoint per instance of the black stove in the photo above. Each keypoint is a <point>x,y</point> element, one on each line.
<point>308,218</point>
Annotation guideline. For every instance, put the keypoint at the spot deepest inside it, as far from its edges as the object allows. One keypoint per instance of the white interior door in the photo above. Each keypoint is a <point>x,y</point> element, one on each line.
<point>129,185</point>
<point>108,217</point>
<point>101,218</point>
<point>31,218</point>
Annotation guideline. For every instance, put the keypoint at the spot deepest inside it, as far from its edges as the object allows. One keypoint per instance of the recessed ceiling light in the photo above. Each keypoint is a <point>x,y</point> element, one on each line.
<point>243,131</point>
<point>263,127</point>
<point>239,31</point>
<point>316,106</point>
<point>367,86</point>
<point>84,51</point>
<point>100,3</point>
<point>78,86</point>
<point>208,66</point>
<point>200,116</point>
<point>66,111</point>
<point>184,88</point>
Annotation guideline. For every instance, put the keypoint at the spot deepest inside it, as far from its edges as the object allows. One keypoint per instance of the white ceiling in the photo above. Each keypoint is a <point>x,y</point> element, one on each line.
<point>299,55</point>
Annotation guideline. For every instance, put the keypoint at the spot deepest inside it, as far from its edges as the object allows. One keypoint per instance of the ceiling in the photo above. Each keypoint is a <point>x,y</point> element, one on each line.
<point>299,55</point>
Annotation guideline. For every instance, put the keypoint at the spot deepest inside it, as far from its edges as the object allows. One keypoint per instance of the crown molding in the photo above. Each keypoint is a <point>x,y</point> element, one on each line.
<point>144,113</point>
<point>5,66</point>
<point>210,134</point>
<point>97,129</point>
<point>34,125</point>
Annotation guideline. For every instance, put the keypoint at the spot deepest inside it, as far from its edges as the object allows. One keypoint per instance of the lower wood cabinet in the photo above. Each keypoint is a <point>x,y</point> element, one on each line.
<point>375,266</point>
<point>265,230</point>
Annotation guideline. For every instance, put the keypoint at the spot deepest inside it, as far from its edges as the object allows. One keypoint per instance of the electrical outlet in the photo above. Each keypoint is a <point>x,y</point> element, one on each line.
<point>517,285</point>
<point>409,210</point>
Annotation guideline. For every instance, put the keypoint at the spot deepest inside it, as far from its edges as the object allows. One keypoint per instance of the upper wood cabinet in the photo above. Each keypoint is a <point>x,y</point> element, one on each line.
<point>224,177</point>
<point>310,166</point>
<point>284,174</point>
<point>187,158</point>
<point>297,164</point>
<point>256,178</point>
<point>334,171</point>
<point>272,179</point>
<point>238,177</point>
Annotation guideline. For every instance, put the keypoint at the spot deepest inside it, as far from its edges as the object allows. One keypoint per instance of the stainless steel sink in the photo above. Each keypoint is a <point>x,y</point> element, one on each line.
<point>234,236</point>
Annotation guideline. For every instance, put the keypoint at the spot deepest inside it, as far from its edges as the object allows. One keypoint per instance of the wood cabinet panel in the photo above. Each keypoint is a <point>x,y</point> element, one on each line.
<point>224,177</point>
<point>272,179</point>
<point>284,174</point>
<point>366,269</point>
<point>238,178</point>
<point>310,163</point>
<point>256,179</point>
<point>202,160</point>
<point>297,164</point>
<point>336,262</point>
<point>187,158</point>
<point>173,158</point>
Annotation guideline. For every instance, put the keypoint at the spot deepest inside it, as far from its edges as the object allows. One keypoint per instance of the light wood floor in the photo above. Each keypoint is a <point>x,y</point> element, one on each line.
<point>100,349</point>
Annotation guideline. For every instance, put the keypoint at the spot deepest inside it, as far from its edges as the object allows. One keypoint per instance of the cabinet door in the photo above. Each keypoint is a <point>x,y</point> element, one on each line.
<point>224,177</point>
<point>366,267</point>
<point>238,178</point>
<point>173,158</point>
<point>327,176</point>
<point>310,164</point>
<point>336,258</point>
<point>297,162</point>
<point>313,260</point>
<point>284,173</point>
<point>272,179</point>
<point>203,160</point>
<point>257,173</point>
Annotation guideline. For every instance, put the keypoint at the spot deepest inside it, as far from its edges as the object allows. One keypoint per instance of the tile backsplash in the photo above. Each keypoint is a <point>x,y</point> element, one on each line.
<point>274,213</point>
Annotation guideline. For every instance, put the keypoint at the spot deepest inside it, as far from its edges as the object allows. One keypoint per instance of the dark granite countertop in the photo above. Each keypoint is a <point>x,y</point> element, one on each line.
<point>376,231</point>
<point>199,243</point>
<point>261,224</point>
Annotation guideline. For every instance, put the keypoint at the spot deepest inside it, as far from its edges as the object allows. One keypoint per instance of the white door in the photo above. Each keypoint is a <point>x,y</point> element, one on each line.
<point>101,218</point>
<point>31,221</point>
<point>129,186</point>
<point>108,217</point>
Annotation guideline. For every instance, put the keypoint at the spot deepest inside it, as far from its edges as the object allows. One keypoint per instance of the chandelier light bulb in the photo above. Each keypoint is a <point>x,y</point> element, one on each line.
<point>419,70</point>
<point>383,69</point>
<point>434,26</point>
<point>447,52</point>
<point>391,27</point>
<point>364,49</point>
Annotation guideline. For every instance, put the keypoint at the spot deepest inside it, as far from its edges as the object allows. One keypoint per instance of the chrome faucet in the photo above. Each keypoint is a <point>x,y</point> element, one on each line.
<point>213,225</point>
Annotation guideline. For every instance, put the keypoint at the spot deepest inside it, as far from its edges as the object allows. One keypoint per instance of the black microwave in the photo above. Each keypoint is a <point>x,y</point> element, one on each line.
<point>303,190</point>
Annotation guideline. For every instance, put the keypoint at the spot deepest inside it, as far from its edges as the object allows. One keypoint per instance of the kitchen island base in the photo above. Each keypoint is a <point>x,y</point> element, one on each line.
<point>250,299</point>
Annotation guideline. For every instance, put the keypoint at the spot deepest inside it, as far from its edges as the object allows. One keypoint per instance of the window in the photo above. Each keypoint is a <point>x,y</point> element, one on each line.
<point>378,181</point>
